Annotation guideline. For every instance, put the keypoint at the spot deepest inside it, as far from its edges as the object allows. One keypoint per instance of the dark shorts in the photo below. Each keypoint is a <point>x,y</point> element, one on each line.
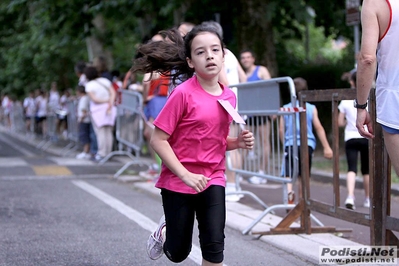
<point>352,148</point>
<point>40,119</point>
<point>84,133</point>
<point>154,106</point>
<point>390,130</point>
<point>289,161</point>
<point>180,211</point>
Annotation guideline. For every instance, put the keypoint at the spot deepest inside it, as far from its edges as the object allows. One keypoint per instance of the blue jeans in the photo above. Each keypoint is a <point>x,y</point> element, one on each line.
<point>93,141</point>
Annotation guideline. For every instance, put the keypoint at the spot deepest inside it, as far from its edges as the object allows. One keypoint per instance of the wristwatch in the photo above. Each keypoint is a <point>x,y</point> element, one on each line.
<point>359,106</point>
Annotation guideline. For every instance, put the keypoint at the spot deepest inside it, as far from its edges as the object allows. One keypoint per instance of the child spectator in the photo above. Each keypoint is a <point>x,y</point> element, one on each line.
<point>286,132</point>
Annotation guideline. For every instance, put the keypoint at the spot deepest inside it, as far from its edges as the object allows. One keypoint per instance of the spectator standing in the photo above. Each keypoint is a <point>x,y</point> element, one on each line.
<point>101,93</point>
<point>29,110</point>
<point>41,102</point>
<point>261,123</point>
<point>6,105</point>
<point>191,137</point>
<point>380,31</point>
<point>84,122</point>
<point>53,98</point>
<point>354,144</point>
<point>252,71</point>
<point>286,131</point>
<point>62,113</point>
<point>79,71</point>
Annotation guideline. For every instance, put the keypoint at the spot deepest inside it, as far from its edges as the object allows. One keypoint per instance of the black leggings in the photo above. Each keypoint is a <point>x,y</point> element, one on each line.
<point>180,210</point>
<point>352,148</point>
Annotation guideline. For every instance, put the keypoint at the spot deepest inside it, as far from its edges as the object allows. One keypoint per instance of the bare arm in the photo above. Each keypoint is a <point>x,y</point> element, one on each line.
<point>264,73</point>
<point>367,64</point>
<point>126,80</point>
<point>341,119</point>
<point>159,142</point>
<point>281,129</point>
<point>146,85</point>
<point>321,134</point>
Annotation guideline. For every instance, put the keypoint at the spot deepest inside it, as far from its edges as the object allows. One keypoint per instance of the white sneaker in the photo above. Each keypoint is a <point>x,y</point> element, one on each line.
<point>256,180</point>
<point>156,240</point>
<point>150,174</point>
<point>232,197</point>
<point>83,155</point>
<point>366,203</point>
<point>350,203</point>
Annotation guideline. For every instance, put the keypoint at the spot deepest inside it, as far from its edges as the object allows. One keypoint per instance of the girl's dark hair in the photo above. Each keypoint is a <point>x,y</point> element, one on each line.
<point>169,57</point>
<point>81,89</point>
<point>91,72</point>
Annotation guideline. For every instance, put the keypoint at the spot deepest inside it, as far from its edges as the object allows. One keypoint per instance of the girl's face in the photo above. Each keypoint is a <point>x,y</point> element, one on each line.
<point>206,55</point>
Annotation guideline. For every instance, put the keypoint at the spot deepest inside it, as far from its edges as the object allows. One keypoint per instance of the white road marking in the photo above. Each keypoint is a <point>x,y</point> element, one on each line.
<point>12,162</point>
<point>16,146</point>
<point>132,214</point>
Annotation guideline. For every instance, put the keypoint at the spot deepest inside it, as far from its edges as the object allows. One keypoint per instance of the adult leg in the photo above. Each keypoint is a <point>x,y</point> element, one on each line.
<point>351,150</point>
<point>101,140</point>
<point>392,146</point>
<point>93,141</point>
<point>109,139</point>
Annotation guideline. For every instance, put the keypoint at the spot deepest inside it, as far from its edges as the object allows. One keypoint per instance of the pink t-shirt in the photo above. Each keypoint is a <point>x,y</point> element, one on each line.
<point>198,127</point>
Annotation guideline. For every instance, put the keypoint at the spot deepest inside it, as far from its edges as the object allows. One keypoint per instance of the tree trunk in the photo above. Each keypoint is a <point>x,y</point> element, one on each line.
<point>95,45</point>
<point>255,32</point>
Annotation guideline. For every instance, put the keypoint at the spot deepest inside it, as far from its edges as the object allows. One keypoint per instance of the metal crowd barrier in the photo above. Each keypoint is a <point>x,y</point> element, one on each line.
<point>259,103</point>
<point>129,130</point>
<point>17,118</point>
<point>49,131</point>
<point>72,128</point>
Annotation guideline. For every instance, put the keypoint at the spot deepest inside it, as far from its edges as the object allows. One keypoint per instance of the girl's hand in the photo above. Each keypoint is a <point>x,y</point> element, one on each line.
<point>195,181</point>
<point>328,153</point>
<point>246,140</point>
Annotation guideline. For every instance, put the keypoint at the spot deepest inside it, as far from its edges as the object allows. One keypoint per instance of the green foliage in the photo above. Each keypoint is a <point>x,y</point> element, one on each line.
<point>41,40</point>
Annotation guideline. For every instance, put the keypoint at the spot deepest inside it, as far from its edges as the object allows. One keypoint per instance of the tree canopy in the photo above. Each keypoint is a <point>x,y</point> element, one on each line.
<point>41,40</point>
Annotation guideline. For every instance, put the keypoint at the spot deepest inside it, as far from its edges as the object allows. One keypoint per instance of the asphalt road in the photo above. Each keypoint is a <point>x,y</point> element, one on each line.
<point>60,211</point>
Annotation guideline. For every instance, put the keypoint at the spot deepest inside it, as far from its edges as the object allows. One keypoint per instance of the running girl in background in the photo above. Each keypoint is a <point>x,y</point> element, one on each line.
<point>191,138</point>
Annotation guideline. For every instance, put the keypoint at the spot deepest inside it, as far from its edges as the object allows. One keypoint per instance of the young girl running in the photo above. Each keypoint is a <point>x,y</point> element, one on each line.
<point>191,138</point>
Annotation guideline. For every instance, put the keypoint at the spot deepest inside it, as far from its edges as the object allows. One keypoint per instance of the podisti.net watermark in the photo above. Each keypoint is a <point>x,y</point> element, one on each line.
<point>357,255</point>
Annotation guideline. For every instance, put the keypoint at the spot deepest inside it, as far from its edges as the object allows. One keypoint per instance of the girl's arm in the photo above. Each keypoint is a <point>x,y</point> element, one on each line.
<point>159,142</point>
<point>281,129</point>
<point>245,140</point>
<point>321,134</point>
